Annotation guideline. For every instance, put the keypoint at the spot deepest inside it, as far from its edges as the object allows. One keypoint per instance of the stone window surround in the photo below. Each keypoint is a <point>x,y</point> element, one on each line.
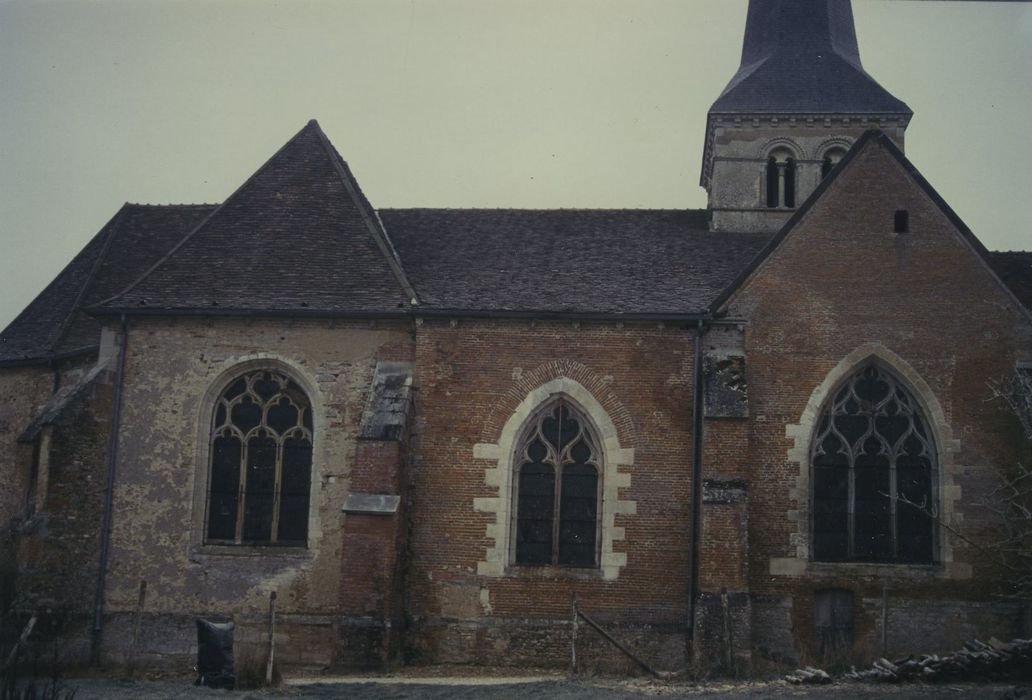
<point>948,490</point>
<point>227,372</point>
<point>498,560</point>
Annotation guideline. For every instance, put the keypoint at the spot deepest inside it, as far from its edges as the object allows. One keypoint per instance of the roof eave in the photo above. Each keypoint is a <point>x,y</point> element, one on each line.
<point>48,359</point>
<point>412,312</point>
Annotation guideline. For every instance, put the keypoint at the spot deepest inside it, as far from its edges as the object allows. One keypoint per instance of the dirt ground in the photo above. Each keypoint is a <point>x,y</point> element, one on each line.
<point>534,688</point>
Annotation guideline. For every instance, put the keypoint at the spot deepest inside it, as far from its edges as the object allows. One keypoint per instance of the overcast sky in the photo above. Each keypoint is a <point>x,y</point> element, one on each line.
<point>453,103</point>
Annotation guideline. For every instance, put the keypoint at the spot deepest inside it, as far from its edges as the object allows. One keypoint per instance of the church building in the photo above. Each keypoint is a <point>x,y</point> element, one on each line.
<point>755,434</point>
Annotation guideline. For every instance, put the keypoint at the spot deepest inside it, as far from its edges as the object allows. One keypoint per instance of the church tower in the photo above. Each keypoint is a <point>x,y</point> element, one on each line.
<point>799,100</point>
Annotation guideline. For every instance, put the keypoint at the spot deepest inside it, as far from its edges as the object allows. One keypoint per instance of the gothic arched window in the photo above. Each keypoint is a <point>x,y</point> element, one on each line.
<point>558,464</point>
<point>874,474</point>
<point>260,463</point>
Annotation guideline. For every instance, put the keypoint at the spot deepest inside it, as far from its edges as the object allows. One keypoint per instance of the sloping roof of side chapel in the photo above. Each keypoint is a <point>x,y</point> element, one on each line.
<point>298,235</point>
<point>53,324</point>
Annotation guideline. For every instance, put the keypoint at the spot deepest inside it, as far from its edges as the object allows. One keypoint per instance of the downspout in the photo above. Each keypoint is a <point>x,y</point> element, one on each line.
<point>696,468</point>
<point>109,493</point>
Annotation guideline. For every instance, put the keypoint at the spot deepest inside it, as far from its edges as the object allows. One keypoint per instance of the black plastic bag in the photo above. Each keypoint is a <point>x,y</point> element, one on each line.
<point>215,654</point>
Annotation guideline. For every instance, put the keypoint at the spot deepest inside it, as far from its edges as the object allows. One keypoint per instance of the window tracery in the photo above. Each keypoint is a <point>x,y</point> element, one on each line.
<point>874,474</point>
<point>558,463</point>
<point>260,462</point>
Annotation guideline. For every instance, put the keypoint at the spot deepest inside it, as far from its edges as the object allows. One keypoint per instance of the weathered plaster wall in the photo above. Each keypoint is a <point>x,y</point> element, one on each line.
<point>467,601</point>
<point>171,366</point>
<point>843,286</point>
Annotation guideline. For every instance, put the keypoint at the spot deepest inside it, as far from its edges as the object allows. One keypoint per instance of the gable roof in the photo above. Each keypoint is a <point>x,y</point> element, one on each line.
<point>870,139</point>
<point>801,57</point>
<point>53,324</point>
<point>297,236</point>
<point>567,261</point>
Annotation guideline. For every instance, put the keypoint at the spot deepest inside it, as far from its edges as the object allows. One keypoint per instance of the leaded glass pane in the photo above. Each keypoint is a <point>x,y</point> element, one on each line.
<point>294,490</point>
<point>225,482</point>
<point>260,490</point>
<point>247,414</point>
<point>282,415</point>
<point>535,508</point>
<point>577,511</point>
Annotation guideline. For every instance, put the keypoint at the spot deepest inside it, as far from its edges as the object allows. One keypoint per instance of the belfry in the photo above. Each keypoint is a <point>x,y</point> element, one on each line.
<point>799,100</point>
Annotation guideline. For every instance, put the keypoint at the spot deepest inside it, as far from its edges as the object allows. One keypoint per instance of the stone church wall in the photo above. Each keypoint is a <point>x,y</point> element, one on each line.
<point>477,381</point>
<point>844,287</point>
<point>174,370</point>
<point>23,390</point>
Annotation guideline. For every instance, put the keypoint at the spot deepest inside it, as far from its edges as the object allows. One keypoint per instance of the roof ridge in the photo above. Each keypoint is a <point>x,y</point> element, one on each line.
<point>208,218</point>
<point>368,213</point>
<point>545,209</point>
<point>173,205</point>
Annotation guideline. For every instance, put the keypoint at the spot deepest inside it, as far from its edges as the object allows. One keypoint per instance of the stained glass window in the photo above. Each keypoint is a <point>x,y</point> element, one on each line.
<point>874,474</point>
<point>261,462</point>
<point>557,490</point>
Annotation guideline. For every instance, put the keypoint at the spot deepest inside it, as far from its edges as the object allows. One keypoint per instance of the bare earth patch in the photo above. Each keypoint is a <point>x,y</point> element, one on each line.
<point>505,684</point>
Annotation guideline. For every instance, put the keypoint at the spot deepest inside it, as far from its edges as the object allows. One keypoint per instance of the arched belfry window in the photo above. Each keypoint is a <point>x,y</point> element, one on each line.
<point>261,462</point>
<point>831,158</point>
<point>874,474</point>
<point>780,179</point>
<point>558,463</point>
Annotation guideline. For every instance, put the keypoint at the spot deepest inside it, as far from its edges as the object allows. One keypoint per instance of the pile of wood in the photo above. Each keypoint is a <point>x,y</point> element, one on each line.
<point>975,662</point>
<point>808,676</point>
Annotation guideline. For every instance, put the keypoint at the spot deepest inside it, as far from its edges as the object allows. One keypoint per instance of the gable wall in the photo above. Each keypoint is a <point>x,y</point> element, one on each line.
<point>172,364</point>
<point>840,281</point>
<point>476,381</point>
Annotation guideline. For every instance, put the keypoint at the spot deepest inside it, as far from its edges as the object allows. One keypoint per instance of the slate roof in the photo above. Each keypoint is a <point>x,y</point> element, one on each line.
<point>606,261</point>
<point>1015,269</point>
<point>801,57</point>
<point>134,239</point>
<point>297,236</point>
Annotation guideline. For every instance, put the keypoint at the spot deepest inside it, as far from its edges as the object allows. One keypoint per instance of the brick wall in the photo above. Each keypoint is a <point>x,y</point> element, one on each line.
<point>842,280</point>
<point>471,377</point>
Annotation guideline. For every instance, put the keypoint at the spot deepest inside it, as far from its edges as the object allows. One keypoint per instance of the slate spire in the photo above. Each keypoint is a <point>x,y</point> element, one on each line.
<point>801,56</point>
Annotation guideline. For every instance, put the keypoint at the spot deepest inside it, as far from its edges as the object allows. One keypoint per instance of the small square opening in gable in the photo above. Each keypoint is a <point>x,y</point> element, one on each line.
<point>901,221</point>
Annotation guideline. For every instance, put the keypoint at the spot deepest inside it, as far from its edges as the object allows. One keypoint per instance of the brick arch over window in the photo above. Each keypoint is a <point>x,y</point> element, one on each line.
<point>501,474</point>
<point>801,454</point>
<point>262,414</point>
